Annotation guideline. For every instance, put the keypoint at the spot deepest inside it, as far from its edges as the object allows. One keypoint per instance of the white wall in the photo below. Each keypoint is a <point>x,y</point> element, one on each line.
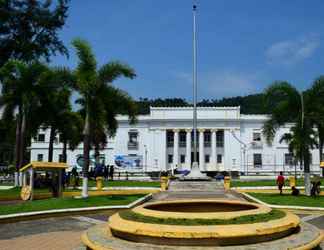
<point>152,133</point>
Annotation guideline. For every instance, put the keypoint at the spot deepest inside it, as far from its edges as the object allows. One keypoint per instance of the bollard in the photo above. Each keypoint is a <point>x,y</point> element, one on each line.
<point>164,183</point>
<point>227,183</point>
<point>292,181</point>
<point>99,183</point>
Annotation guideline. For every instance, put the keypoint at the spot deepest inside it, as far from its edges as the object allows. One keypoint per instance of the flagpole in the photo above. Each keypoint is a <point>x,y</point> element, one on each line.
<point>194,86</point>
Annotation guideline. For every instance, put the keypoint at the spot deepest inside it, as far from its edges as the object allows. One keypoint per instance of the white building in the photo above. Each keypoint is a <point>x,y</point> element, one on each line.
<point>162,140</point>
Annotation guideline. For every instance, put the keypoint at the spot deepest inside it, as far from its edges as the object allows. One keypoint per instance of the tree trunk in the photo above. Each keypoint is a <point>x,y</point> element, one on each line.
<point>22,142</point>
<point>307,173</point>
<point>86,150</point>
<point>320,148</point>
<point>50,146</point>
<point>17,147</point>
<point>64,154</point>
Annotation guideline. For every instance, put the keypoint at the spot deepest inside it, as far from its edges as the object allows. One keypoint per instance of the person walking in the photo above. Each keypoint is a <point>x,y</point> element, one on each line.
<point>280,181</point>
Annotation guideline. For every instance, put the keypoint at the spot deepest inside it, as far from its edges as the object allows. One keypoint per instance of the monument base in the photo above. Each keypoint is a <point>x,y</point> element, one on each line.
<point>195,174</point>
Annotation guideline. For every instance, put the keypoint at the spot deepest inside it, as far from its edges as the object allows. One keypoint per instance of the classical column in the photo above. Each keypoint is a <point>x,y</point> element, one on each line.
<point>213,148</point>
<point>188,148</point>
<point>175,148</point>
<point>201,149</point>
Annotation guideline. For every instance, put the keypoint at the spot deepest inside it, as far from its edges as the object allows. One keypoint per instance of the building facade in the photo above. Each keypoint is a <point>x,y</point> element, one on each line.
<point>163,140</point>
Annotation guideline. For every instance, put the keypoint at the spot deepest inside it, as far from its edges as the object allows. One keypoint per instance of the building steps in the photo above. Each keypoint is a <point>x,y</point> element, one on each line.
<point>196,186</point>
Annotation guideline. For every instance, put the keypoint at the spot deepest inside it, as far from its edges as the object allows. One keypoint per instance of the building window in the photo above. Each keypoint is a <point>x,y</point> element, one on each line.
<point>132,140</point>
<point>289,159</point>
<point>40,157</point>
<point>192,138</point>
<point>219,158</point>
<point>182,138</point>
<point>256,136</point>
<point>257,160</point>
<point>41,138</point>
<point>182,158</point>
<point>207,139</point>
<point>207,158</point>
<point>220,138</point>
<point>170,158</point>
<point>170,138</point>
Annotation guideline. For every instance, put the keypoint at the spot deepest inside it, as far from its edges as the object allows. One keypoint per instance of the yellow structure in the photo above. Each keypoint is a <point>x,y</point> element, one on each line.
<point>122,231</point>
<point>227,183</point>
<point>27,191</point>
<point>99,183</point>
<point>292,181</point>
<point>322,164</point>
<point>164,183</point>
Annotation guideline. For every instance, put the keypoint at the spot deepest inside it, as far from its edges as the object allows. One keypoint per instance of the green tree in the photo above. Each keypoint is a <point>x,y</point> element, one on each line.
<point>20,94</point>
<point>29,29</point>
<point>56,88</point>
<point>70,131</point>
<point>316,101</point>
<point>287,105</point>
<point>100,100</point>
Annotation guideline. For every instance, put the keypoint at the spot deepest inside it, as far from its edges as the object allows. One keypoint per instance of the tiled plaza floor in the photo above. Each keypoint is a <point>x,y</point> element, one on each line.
<point>63,233</point>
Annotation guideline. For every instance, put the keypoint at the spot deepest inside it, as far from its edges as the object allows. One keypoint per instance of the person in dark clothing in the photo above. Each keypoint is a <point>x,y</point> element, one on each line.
<point>295,191</point>
<point>111,172</point>
<point>98,170</point>
<point>316,188</point>
<point>106,172</point>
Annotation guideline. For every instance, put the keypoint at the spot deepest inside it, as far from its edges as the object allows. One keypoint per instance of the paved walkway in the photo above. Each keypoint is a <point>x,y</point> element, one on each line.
<point>64,232</point>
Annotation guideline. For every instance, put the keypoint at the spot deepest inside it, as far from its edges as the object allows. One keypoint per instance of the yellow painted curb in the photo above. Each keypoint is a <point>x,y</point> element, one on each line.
<point>112,192</point>
<point>211,231</point>
<point>258,209</point>
<point>313,243</point>
<point>85,240</point>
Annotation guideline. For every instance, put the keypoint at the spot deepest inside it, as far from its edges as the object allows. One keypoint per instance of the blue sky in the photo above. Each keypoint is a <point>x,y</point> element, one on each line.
<point>243,46</point>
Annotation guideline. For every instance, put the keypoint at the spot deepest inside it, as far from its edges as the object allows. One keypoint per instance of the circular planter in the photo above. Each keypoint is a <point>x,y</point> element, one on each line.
<point>203,235</point>
<point>201,209</point>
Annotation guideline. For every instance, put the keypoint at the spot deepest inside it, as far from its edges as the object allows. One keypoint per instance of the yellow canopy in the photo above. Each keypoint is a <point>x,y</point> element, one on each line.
<point>40,165</point>
<point>322,164</point>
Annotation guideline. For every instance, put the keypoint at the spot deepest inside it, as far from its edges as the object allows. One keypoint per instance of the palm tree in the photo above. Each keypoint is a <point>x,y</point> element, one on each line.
<point>56,86</point>
<point>287,105</point>
<point>20,92</point>
<point>316,93</point>
<point>97,97</point>
<point>70,130</point>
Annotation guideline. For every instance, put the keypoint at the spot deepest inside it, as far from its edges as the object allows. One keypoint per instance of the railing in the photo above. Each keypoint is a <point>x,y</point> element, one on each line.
<point>207,144</point>
<point>182,144</point>
<point>250,168</point>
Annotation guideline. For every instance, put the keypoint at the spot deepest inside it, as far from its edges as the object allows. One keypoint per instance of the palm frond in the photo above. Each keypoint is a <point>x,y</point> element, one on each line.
<point>113,70</point>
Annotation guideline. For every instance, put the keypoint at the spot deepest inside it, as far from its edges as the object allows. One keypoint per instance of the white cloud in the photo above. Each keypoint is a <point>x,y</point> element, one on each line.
<point>292,51</point>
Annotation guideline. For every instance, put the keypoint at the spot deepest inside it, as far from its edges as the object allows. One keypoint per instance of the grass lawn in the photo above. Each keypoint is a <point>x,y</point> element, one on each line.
<point>300,182</point>
<point>124,183</point>
<point>14,193</point>
<point>289,200</point>
<point>59,203</point>
<point>274,214</point>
